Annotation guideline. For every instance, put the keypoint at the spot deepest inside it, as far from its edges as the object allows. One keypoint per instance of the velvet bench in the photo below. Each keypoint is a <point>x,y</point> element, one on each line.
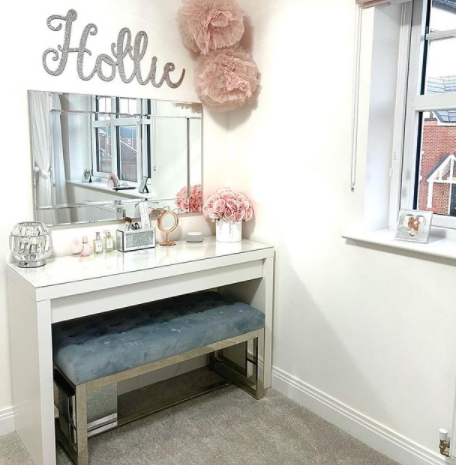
<point>98,351</point>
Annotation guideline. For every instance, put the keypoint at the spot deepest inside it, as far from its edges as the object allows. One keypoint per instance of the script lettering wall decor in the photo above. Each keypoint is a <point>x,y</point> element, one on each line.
<point>121,51</point>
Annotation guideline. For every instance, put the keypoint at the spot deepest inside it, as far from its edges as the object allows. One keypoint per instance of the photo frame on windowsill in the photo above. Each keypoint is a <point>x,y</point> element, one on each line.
<point>414,226</point>
<point>143,189</point>
<point>87,175</point>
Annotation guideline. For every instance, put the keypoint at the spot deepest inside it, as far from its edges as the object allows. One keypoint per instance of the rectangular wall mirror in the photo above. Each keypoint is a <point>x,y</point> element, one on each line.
<point>150,150</point>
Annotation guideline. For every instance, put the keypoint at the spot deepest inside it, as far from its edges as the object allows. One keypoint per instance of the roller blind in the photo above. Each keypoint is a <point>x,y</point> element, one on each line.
<point>371,3</point>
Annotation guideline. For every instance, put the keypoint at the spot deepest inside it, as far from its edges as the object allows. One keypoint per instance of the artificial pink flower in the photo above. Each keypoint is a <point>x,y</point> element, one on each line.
<point>192,203</point>
<point>232,204</point>
<point>243,201</point>
<point>239,216</point>
<point>226,79</point>
<point>219,206</point>
<point>229,214</point>
<point>207,212</point>
<point>210,24</point>
<point>215,215</point>
<point>227,195</point>
<point>248,214</point>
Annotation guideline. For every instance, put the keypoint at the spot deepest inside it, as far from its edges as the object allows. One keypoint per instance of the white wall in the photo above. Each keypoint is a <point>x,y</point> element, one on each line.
<point>23,28</point>
<point>355,327</point>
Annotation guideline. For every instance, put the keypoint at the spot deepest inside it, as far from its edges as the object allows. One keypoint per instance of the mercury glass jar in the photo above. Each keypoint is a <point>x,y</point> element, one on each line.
<point>31,244</point>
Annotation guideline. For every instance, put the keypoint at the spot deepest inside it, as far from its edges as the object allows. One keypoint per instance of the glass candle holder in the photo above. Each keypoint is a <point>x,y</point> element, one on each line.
<point>31,244</point>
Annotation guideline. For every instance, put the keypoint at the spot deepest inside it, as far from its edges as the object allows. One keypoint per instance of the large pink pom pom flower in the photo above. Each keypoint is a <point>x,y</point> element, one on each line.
<point>192,203</point>
<point>210,24</point>
<point>226,79</point>
<point>228,205</point>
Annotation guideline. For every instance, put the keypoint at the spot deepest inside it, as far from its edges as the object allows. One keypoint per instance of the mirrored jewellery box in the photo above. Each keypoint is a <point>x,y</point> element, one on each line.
<point>97,158</point>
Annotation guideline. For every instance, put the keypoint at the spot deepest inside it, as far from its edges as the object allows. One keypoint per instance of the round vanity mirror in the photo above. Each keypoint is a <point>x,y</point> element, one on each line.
<point>167,223</point>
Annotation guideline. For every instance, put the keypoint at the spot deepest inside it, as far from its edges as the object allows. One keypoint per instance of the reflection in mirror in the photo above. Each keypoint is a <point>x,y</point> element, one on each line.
<point>79,141</point>
<point>168,222</point>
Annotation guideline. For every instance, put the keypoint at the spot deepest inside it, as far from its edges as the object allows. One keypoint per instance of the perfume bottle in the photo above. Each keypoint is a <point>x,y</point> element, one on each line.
<point>86,247</point>
<point>98,243</point>
<point>108,242</point>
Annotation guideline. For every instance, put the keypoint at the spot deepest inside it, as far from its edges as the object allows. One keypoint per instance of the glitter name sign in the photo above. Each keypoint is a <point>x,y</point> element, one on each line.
<point>121,51</point>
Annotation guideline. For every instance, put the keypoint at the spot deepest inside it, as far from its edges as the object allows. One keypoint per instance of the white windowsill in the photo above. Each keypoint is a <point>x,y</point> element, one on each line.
<point>442,242</point>
<point>101,186</point>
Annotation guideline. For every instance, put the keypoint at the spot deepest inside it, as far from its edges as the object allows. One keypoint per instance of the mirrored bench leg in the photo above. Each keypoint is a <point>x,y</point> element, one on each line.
<point>81,425</point>
<point>230,370</point>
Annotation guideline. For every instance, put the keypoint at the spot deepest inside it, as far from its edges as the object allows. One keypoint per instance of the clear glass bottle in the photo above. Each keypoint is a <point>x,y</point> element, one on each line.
<point>108,242</point>
<point>86,247</point>
<point>98,243</point>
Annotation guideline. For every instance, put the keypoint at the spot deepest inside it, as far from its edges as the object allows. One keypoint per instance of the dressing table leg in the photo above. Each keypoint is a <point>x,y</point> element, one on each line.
<point>259,388</point>
<point>267,305</point>
<point>81,424</point>
<point>260,294</point>
<point>32,373</point>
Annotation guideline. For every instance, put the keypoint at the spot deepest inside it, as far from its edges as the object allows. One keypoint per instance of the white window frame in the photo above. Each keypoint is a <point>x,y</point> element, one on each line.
<point>403,169</point>
<point>115,123</point>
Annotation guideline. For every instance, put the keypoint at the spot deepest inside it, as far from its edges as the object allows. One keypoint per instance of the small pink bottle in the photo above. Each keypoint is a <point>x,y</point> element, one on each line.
<point>86,247</point>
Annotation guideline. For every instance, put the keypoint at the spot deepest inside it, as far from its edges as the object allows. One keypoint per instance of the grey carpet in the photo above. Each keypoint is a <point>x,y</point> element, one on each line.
<point>226,427</point>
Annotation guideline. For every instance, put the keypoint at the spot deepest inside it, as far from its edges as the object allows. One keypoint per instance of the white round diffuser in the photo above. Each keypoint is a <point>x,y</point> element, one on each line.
<point>195,237</point>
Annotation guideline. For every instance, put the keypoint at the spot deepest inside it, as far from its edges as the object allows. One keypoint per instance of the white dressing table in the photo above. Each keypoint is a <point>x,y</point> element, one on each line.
<point>73,287</point>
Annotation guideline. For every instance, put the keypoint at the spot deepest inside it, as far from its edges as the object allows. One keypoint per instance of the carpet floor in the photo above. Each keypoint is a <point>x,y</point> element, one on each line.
<point>225,427</point>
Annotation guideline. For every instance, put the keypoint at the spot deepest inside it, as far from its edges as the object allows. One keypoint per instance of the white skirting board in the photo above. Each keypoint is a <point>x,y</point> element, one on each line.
<point>386,441</point>
<point>375,435</point>
<point>7,421</point>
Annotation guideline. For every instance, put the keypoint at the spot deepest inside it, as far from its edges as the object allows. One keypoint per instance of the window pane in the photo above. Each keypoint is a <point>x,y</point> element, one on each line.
<point>437,176</point>
<point>440,65</point>
<point>443,15</point>
<point>104,150</point>
<point>127,106</point>
<point>108,104</point>
<point>128,153</point>
<point>441,69</point>
<point>101,104</point>
<point>123,106</point>
<point>103,107</point>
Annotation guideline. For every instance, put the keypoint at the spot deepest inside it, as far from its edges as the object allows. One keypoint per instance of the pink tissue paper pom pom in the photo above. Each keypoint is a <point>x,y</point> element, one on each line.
<point>226,79</point>
<point>228,205</point>
<point>210,24</point>
<point>192,203</point>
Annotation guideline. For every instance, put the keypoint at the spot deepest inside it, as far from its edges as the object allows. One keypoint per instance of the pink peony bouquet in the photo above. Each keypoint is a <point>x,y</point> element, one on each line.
<point>228,205</point>
<point>192,203</point>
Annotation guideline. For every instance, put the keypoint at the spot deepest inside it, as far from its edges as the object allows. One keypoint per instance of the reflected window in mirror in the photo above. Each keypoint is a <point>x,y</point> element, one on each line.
<point>75,134</point>
<point>116,131</point>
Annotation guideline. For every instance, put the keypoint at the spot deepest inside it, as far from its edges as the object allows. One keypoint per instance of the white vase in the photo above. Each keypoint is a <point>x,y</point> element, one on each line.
<point>227,231</point>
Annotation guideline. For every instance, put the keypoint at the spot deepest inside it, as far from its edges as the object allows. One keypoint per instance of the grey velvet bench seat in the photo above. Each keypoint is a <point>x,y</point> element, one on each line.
<point>96,352</point>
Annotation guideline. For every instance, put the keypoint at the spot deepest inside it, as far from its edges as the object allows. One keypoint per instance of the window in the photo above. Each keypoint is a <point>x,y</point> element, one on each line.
<point>104,153</point>
<point>116,132</point>
<point>429,148</point>
<point>128,153</point>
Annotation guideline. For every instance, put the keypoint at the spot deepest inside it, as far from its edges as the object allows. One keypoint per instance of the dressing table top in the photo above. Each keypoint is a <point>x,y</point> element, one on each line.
<point>74,269</point>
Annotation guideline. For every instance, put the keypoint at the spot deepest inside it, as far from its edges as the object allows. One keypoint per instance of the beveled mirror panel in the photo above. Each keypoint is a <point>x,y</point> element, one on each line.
<point>94,158</point>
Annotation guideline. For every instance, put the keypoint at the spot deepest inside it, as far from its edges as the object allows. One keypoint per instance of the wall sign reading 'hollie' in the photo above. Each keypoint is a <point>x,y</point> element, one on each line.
<point>121,51</point>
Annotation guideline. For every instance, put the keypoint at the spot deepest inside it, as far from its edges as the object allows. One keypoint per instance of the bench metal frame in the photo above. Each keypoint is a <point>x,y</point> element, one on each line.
<point>73,430</point>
